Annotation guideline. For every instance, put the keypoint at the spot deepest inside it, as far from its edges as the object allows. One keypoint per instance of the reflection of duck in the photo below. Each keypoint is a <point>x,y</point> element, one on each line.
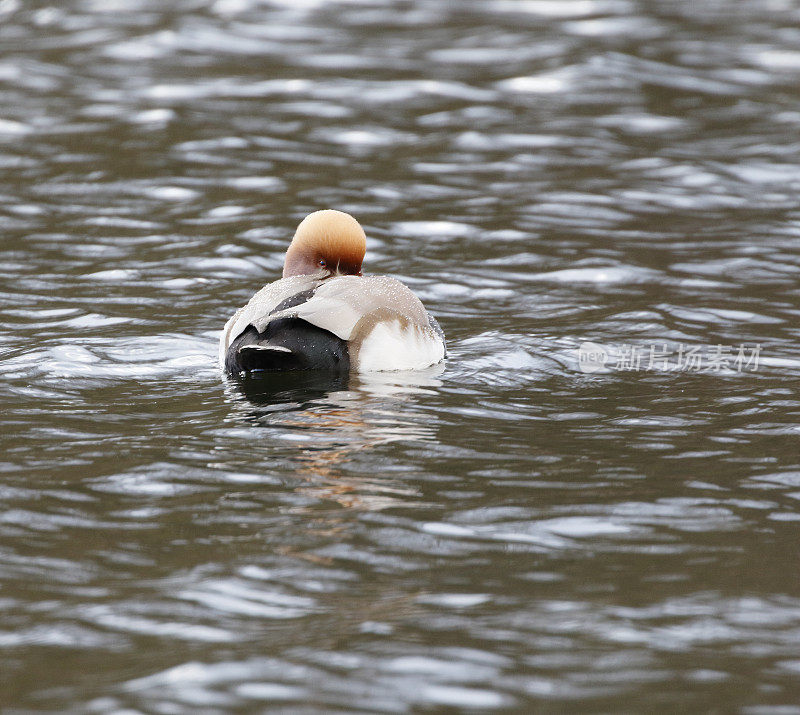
<point>269,388</point>
<point>324,315</point>
<point>332,418</point>
<point>341,434</point>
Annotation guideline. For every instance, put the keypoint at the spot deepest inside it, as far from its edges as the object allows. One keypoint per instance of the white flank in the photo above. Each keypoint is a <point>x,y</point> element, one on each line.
<point>392,347</point>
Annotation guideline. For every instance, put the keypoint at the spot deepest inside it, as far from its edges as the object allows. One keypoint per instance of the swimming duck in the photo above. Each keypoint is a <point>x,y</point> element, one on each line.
<point>324,315</point>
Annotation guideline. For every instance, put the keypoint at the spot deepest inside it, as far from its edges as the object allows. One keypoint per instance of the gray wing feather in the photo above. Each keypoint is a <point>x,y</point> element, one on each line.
<point>258,308</point>
<point>340,303</point>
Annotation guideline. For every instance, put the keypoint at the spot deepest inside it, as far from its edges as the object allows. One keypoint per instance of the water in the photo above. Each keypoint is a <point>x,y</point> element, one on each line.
<point>507,532</point>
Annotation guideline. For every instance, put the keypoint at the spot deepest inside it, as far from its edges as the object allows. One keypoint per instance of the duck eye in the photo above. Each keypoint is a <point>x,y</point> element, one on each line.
<point>322,262</point>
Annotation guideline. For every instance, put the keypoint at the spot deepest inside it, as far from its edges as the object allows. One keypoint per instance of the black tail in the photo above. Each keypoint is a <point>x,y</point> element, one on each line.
<point>266,357</point>
<point>287,344</point>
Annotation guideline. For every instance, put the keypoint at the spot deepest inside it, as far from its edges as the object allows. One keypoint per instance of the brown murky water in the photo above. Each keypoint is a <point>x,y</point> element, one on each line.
<point>511,531</point>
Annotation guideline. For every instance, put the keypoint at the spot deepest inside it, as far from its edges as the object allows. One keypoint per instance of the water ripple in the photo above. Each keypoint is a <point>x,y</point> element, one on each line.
<point>505,531</point>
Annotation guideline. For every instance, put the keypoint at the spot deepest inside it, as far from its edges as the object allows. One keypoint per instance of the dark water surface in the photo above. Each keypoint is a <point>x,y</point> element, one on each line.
<point>506,532</point>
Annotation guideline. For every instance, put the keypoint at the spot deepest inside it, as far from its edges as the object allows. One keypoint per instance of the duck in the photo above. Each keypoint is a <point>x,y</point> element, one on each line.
<point>323,314</point>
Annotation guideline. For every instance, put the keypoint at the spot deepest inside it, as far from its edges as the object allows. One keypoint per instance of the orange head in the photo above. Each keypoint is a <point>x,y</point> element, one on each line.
<point>326,240</point>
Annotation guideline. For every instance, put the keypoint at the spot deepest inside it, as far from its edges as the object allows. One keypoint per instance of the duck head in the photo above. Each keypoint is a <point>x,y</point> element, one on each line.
<point>326,240</point>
